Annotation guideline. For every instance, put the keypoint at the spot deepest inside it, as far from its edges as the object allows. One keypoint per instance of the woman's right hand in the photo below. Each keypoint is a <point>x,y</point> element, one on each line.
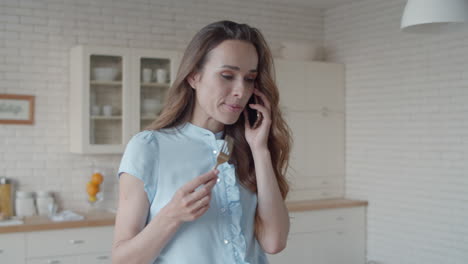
<point>188,204</point>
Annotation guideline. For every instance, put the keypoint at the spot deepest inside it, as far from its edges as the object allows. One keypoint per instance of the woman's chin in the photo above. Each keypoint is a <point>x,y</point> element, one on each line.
<point>229,119</point>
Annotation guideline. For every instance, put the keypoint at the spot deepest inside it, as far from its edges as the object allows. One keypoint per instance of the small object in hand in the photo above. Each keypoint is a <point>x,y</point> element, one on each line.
<point>258,120</point>
<point>254,116</point>
<point>226,151</point>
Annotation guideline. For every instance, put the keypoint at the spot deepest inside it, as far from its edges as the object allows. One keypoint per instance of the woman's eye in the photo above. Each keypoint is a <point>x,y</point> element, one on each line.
<point>227,77</point>
<point>250,80</point>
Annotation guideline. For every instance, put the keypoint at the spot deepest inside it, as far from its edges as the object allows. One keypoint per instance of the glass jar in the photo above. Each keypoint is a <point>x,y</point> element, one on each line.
<point>44,202</point>
<point>6,205</point>
<point>24,204</point>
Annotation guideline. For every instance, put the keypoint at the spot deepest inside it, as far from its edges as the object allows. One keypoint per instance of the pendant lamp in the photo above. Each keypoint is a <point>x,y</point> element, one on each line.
<point>433,16</point>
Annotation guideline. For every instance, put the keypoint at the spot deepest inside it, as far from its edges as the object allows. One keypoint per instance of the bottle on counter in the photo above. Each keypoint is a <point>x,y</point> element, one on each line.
<point>24,204</point>
<point>6,201</point>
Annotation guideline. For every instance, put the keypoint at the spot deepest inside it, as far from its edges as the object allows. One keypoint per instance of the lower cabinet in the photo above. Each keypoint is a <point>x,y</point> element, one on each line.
<point>96,258</point>
<point>102,258</point>
<point>329,236</point>
<point>53,260</point>
<point>91,245</point>
<point>12,249</point>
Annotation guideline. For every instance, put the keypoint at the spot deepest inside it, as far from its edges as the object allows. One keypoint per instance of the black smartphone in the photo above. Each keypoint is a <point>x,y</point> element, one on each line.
<point>255,117</point>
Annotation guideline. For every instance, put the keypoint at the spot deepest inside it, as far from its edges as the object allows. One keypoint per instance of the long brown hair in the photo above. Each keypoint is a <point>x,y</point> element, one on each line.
<point>180,102</point>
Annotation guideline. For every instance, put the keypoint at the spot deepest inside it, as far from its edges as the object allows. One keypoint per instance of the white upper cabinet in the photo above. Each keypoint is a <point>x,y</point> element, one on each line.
<point>310,86</point>
<point>290,78</point>
<point>312,100</point>
<point>114,93</point>
<point>324,86</point>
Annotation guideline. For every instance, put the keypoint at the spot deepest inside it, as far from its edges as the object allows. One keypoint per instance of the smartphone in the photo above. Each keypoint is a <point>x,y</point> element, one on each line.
<point>255,117</point>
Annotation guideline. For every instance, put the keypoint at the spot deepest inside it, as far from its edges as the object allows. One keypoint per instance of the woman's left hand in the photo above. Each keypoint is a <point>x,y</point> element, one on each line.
<point>258,137</point>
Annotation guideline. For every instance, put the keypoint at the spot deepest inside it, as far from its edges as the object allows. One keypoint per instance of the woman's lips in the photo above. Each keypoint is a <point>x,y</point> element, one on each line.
<point>234,108</point>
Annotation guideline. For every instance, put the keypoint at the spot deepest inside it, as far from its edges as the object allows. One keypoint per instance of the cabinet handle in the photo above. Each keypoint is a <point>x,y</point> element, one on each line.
<point>53,261</point>
<point>102,257</point>
<point>340,218</point>
<point>74,242</point>
<point>339,233</point>
<point>1,251</point>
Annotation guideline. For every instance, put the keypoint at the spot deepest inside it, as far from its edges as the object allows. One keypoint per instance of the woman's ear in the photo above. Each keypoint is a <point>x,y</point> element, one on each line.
<point>192,79</point>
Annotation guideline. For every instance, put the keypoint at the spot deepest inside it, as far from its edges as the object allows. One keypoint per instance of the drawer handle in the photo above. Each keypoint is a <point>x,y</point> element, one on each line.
<point>340,218</point>
<point>102,257</point>
<point>53,261</point>
<point>339,233</point>
<point>74,242</point>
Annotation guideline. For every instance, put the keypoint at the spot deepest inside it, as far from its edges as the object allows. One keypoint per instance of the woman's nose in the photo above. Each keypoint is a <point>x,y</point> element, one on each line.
<point>240,89</point>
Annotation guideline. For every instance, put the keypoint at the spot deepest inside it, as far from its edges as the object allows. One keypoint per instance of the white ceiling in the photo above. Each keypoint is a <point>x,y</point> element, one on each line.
<point>317,3</point>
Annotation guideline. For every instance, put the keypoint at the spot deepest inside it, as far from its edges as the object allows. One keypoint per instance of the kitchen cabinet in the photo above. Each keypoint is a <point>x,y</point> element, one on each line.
<point>66,246</point>
<point>54,260</point>
<point>330,236</point>
<point>312,100</point>
<point>103,258</point>
<point>310,85</point>
<point>12,248</point>
<point>115,93</point>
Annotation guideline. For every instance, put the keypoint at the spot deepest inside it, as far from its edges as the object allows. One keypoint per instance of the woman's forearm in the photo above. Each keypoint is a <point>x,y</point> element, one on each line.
<point>271,206</point>
<point>145,247</point>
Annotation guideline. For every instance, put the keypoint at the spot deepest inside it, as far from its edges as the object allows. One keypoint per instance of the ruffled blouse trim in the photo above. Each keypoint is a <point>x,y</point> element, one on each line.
<point>237,240</point>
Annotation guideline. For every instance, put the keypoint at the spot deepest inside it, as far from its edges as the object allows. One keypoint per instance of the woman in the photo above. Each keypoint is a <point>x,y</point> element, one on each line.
<point>174,207</point>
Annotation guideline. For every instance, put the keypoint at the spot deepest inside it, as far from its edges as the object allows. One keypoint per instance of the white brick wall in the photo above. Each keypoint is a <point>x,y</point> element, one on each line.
<point>35,39</point>
<point>406,132</point>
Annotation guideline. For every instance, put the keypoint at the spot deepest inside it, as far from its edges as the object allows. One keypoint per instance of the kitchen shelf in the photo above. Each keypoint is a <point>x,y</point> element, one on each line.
<point>106,117</point>
<point>148,117</point>
<point>155,85</point>
<point>106,83</point>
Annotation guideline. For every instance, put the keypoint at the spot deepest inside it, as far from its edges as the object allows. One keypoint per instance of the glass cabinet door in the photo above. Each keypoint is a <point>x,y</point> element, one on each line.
<point>105,99</point>
<point>155,79</point>
<point>155,72</point>
<point>115,93</point>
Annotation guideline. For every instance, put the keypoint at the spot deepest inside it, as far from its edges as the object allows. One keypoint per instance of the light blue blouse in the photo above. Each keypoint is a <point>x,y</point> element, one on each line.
<point>167,159</point>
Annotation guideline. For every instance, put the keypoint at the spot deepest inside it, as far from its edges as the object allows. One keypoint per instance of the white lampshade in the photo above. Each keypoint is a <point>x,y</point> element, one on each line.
<point>426,16</point>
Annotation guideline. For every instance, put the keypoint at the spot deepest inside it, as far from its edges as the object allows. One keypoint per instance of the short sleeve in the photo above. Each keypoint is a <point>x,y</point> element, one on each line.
<point>140,160</point>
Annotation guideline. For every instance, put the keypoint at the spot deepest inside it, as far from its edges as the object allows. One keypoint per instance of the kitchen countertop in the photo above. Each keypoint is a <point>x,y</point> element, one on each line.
<point>299,206</point>
<point>42,223</point>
